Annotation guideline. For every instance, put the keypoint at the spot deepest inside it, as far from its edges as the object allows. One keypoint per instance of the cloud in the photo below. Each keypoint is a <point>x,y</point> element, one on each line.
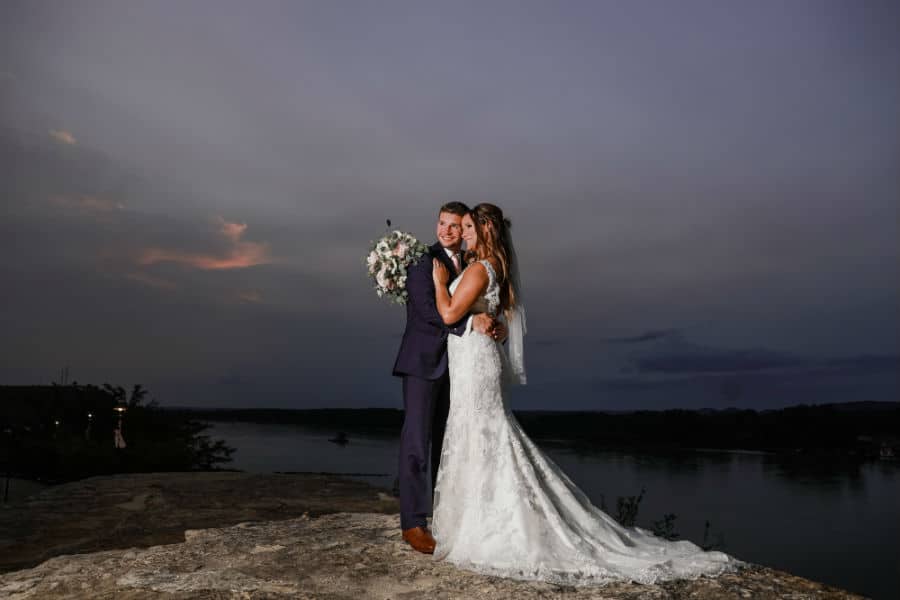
<point>233,231</point>
<point>248,255</point>
<point>716,363</point>
<point>758,361</point>
<point>62,136</point>
<point>241,254</point>
<point>644,337</point>
<point>150,280</point>
<point>250,297</point>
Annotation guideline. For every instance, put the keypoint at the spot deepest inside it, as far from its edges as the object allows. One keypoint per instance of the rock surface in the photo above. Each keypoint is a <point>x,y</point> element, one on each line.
<point>316,555</point>
<point>145,509</point>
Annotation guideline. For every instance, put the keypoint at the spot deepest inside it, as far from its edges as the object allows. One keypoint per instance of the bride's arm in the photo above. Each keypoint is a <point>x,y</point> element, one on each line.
<point>453,308</point>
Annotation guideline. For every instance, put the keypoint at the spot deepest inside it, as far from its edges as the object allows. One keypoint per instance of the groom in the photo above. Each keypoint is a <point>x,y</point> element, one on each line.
<point>422,363</point>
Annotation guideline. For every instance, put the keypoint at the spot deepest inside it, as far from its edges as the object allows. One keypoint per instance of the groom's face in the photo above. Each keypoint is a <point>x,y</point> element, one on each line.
<point>449,230</point>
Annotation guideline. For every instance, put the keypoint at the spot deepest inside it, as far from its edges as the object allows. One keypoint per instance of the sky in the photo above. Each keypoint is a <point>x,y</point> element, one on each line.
<point>705,195</point>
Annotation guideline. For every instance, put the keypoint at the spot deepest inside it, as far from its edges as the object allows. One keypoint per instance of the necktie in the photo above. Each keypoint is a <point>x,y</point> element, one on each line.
<point>455,258</point>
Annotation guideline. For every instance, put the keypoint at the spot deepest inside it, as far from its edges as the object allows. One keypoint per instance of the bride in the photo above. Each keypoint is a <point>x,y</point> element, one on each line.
<point>501,506</point>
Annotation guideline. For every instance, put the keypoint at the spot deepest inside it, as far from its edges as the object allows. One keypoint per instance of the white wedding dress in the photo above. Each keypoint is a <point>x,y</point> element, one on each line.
<point>504,508</point>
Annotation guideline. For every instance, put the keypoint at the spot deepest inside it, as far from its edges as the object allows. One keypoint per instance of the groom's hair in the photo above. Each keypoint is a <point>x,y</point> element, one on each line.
<point>455,208</point>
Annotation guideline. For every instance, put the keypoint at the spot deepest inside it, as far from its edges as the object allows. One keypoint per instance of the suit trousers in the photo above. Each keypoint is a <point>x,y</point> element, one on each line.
<point>426,404</point>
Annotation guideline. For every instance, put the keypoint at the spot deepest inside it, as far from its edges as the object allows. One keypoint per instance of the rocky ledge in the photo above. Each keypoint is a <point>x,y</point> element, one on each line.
<point>354,553</point>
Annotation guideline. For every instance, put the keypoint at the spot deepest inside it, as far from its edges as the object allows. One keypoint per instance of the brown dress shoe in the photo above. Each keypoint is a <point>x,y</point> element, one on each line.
<point>420,539</point>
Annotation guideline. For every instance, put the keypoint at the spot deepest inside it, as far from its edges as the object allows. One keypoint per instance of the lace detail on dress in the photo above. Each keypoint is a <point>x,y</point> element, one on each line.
<point>504,508</point>
<point>492,292</point>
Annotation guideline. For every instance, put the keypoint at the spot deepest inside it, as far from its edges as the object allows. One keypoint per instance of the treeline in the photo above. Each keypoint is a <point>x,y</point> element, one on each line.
<point>378,422</point>
<point>846,428</point>
<point>853,427</point>
<point>66,432</point>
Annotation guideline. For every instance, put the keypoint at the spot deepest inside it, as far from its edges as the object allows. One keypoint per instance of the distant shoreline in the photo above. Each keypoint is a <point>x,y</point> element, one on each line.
<point>865,405</point>
<point>861,430</point>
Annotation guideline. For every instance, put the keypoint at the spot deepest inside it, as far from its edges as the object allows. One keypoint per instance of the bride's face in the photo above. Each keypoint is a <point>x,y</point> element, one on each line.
<point>468,233</point>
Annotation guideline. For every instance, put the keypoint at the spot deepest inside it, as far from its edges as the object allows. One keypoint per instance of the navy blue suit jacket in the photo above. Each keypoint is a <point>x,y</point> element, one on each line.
<point>423,351</point>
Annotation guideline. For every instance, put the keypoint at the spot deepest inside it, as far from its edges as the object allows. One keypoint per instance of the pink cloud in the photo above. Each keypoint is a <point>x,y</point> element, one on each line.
<point>233,231</point>
<point>240,256</point>
<point>248,255</point>
<point>62,136</point>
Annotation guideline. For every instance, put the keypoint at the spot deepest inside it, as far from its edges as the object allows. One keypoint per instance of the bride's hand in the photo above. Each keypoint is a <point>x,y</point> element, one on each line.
<point>439,272</point>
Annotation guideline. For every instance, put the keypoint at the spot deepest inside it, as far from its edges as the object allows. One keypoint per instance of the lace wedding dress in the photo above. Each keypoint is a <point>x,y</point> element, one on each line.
<point>504,508</point>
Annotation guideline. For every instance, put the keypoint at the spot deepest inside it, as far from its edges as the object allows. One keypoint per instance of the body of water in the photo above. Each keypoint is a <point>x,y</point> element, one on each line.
<point>831,521</point>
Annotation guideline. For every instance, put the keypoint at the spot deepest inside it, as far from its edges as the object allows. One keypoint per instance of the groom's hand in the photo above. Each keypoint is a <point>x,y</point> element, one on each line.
<point>499,332</point>
<point>485,324</point>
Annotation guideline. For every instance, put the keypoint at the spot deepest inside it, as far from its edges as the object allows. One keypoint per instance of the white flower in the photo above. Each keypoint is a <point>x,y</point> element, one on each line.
<point>372,259</point>
<point>401,250</point>
<point>384,278</point>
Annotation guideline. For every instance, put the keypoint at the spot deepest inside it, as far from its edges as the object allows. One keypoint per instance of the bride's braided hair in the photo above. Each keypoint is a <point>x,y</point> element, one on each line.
<point>493,241</point>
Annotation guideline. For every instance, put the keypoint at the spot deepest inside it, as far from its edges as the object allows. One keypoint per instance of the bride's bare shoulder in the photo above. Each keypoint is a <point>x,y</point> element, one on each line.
<point>476,269</point>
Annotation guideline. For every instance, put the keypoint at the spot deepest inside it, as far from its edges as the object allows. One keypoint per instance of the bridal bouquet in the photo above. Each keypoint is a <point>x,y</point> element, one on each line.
<point>387,262</point>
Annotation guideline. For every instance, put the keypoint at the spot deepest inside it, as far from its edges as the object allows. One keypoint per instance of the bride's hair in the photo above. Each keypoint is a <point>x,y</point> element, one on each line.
<point>492,230</point>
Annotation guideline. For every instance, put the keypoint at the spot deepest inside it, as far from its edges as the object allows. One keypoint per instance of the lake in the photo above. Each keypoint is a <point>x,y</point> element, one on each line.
<point>832,521</point>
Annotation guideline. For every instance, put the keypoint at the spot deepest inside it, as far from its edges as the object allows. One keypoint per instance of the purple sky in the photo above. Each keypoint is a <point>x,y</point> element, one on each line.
<point>705,195</point>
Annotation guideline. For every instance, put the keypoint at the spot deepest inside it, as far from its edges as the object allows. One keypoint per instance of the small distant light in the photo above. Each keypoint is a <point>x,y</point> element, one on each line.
<point>90,415</point>
<point>56,422</point>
